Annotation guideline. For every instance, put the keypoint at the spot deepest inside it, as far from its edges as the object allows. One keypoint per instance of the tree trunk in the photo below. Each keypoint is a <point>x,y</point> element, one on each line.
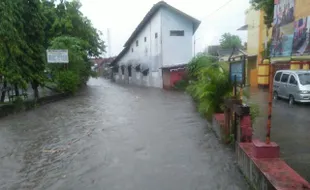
<point>16,90</point>
<point>266,42</point>
<point>3,93</point>
<point>35,86</point>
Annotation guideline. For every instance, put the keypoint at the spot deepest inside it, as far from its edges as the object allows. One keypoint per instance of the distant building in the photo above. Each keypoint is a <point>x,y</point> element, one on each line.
<point>102,66</point>
<point>256,30</point>
<point>223,54</point>
<point>163,39</point>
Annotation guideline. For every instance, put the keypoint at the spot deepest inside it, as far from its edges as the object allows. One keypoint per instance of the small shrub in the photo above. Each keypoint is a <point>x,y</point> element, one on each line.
<point>67,81</point>
<point>181,84</point>
<point>197,63</point>
<point>18,103</point>
<point>255,112</point>
<point>210,89</point>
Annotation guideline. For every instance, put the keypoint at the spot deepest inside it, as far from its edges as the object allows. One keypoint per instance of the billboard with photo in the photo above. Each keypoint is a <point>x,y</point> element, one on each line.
<point>282,41</point>
<point>283,12</point>
<point>237,71</point>
<point>301,45</point>
<point>283,28</point>
<point>291,30</point>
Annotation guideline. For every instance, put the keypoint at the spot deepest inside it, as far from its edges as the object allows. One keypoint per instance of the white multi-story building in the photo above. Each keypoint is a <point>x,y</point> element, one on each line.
<point>162,39</point>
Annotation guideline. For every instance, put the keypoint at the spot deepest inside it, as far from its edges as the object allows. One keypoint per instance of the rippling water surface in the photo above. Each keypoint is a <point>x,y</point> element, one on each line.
<point>115,137</point>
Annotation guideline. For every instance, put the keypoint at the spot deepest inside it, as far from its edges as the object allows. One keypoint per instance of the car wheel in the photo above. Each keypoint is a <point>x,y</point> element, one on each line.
<point>291,100</point>
<point>275,95</point>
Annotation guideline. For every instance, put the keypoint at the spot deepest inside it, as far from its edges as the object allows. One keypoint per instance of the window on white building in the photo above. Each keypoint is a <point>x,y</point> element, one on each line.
<point>156,35</point>
<point>137,43</point>
<point>131,49</point>
<point>123,69</point>
<point>144,39</point>
<point>176,32</point>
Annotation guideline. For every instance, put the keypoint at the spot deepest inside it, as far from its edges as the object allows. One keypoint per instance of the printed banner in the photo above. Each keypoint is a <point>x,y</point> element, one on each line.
<point>282,41</point>
<point>301,45</point>
<point>283,28</point>
<point>237,69</point>
<point>283,12</point>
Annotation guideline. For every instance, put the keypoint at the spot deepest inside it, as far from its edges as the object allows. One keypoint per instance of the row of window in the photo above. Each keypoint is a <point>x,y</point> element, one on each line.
<point>284,78</point>
<point>172,33</point>
<point>123,71</point>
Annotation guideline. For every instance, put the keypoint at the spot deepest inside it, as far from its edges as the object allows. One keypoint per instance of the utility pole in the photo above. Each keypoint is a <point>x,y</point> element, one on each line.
<point>195,39</point>
<point>109,43</point>
<point>194,46</point>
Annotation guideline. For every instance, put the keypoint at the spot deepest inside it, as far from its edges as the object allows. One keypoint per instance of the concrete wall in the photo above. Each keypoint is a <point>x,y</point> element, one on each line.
<point>254,176</point>
<point>157,52</point>
<point>176,49</point>
<point>262,37</point>
<point>147,53</point>
<point>253,22</point>
<point>255,41</point>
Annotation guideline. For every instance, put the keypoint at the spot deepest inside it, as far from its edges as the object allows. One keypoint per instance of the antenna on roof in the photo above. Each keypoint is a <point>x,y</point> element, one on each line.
<point>109,42</point>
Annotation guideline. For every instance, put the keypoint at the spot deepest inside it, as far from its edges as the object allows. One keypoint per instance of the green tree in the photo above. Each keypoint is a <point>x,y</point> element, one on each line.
<point>50,15</point>
<point>30,27</point>
<point>268,7</point>
<point>209,84</point>
<point>71,22</point>
<point>78,61</point>
<point>12,44</point>
<point>34,29</point>
<point>229,41</point>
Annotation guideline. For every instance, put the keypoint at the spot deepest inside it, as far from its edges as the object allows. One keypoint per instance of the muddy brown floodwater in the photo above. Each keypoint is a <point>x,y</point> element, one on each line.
<point>115,137</point>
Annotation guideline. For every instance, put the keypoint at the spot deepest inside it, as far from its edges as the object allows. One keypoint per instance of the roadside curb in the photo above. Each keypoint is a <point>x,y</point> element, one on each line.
<point>265,173</point>
<point>11,108</point>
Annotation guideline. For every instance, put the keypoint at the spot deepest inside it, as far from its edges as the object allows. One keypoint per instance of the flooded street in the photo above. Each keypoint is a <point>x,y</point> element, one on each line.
<point>115,137</point>
<point>290,129</point>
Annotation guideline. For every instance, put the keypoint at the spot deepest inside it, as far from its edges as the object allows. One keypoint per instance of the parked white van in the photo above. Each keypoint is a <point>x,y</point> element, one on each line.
<point>293,85</point>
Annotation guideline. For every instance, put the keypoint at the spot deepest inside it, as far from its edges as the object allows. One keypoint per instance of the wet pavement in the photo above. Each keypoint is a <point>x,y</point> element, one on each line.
<point>290,129</point>
<point>115,138</point>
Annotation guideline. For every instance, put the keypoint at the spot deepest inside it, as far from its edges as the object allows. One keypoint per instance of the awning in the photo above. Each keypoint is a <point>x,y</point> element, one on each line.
<point>244,27</point>
<point>252,56</point>
<point>174,66</point>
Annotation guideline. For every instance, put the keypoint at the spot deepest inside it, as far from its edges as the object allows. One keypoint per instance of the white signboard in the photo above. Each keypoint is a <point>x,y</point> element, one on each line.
<point>57,56</point>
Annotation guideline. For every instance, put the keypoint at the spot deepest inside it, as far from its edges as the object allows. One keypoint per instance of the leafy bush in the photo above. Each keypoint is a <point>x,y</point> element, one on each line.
<point>78,60</point>
<point>67,81</point>
<point>208,83</point>
<point>18,103</point>
<point>210,90</point>
<point>181,84</point>
<point>209,86</point>
<point>255,111</point>
<point>200,61</point>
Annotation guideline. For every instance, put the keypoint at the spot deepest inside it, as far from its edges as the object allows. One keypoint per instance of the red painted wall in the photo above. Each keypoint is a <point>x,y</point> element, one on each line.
<point>176,76</point>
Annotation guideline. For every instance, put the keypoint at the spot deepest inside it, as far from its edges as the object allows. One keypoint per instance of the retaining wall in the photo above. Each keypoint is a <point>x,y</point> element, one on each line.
<point>261,165</point>
<point>11,108</point>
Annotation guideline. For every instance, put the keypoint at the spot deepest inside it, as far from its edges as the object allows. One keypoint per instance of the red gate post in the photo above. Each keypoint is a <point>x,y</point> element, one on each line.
<point>267,149</point>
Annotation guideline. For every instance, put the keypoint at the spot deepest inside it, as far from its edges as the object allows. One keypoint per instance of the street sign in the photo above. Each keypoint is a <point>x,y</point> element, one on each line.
<point>237,72</point>
<point>57,56</point>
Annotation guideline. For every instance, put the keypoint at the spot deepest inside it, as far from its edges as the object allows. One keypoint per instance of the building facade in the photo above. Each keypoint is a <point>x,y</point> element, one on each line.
<point>256,40</point>
<point>163,39</point>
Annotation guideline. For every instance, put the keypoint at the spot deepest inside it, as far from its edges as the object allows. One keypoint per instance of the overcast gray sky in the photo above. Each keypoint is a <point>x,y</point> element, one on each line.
<point>123,16</point>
